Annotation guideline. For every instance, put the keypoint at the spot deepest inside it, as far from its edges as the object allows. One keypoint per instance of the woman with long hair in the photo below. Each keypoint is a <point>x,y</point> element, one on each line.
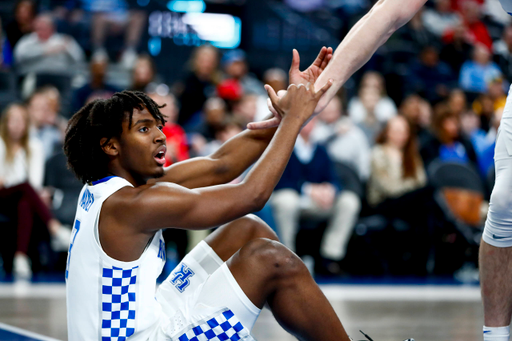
<point>21,175</point>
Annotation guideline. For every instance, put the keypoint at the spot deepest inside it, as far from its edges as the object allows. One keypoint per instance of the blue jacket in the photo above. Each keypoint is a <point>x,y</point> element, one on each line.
<point>320,169</point>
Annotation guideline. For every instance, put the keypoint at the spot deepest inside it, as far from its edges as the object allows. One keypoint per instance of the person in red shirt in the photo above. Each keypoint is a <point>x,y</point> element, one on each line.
<point>177,145</point>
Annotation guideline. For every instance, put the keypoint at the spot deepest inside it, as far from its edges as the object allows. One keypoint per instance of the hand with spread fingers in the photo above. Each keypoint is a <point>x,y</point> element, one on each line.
<point>299,101</point>
<point>297,77</point>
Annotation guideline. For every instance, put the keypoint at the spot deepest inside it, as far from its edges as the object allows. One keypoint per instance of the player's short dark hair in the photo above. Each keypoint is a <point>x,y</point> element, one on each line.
<point>99,119</point>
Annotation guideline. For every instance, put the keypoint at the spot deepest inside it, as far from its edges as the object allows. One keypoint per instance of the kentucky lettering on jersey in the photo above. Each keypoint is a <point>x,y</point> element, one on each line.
<point>107,299</point>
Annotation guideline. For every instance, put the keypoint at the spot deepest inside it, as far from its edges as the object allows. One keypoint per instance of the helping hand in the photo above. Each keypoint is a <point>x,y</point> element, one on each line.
<point>296,76</point>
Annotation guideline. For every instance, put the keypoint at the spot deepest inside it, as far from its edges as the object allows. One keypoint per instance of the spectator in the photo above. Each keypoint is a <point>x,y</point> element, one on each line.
<point>5,50</point>
<point>457,49</point>
<point>447,142</point>
<point>46,124</point>
<point>215,113</point>
<point>344,140</point>
<point>502,50</point>
<point>476,74</point>
<point>226,130</point>
<point>475,28</point>
<point>486,154</point>
<point>309,188</point>
<point>21,173</point>
<point>199,84</point>
<point>440,18</point>
<point>371,125</point>
<point>486,104</point>
<point>96,88</point>
<point>429,76</point>
<point>45,50</point>
<point>415,34</point>
<point>396,165</point>
<point>235,66</point>
<point>176,139</point>
<point>24,14</point>
<point>108,17</point>
<point>144,72</point>
<point>418,113</point>
<point>383,109</point>
<point>246,108</point>
<point>396,189</point>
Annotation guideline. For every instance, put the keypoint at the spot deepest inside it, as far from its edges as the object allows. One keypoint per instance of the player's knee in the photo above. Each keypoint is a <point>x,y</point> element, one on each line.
<point>274,258</point>
<point>258,228</point>
<point>498,230</point>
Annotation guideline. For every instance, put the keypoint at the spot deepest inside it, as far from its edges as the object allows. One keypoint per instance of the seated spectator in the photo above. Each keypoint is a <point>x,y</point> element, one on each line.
<point>143,73</point>
<point>418,113</point>
<point>457,102</point>
<point>235,66</point>
<point>429,76</point>
<point>440,18</point>
<point>415,34</point>
<point>227,129</point>
<point>116,16</point>
<point>396,188</point>
<point>396,165</point>
<point>96,88</point>
<point>214,114</point>
<point>486,104</point>
<point>176,139</point>
<point>456,50</point>
<point>45,123</point>
<point>5,50</point>
<point>21,174</point>
<point>384,109</point>
<point>47,51</point>
<point>447,142</point>
<point>476,74</point>
<point>345,141</point>
<point>199,84</point>
<point>246,108</point>
<point>369,98</point>
<point>22,22</point>
<point>477,31</point>
<point>502,50</point>
<point>309,188</point>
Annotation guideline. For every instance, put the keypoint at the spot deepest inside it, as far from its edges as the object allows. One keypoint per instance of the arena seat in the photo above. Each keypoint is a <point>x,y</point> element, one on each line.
<point>349,178</point>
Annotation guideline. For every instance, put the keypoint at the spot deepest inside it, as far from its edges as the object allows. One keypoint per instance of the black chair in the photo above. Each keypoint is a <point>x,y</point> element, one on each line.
<point>349,178</point>
<point>7,89</point>
<point>456,175</point>
<point>67,188</point>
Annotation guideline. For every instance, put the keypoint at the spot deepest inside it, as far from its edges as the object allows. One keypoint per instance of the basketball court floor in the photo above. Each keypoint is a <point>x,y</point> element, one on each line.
<point>30,312</point>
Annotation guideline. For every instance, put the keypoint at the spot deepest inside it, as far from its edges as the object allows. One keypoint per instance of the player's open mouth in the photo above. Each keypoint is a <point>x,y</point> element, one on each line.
<point>160,155</point>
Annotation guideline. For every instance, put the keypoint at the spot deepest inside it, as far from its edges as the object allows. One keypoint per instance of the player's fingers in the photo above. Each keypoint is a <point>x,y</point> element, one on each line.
<point>271,108</point>
<point>327,59</point>
<point>324,88</point>
<point>272,95</point>
<point>295,61</point>
<point>271,123</point>
<point>321,55</point>
<point>281,93</point>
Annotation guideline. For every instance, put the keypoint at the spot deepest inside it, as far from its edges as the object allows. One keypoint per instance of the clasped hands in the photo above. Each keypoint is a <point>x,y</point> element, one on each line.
<point>279,104</point>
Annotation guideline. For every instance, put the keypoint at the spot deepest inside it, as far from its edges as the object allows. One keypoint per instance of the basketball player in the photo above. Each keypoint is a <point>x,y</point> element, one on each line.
<point>355,50</point>
<point>117,149</point>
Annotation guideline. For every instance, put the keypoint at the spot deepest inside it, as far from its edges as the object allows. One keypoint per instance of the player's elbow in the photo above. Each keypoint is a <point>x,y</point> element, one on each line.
<point>260,196</point>
<point>395,13</point>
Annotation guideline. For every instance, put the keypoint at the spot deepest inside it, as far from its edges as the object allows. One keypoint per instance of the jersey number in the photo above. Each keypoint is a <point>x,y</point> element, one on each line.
<point>76,228</point>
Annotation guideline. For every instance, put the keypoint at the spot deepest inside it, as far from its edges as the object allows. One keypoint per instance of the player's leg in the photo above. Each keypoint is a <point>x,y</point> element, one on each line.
<point>231,237</point>
<point>496,246</point>
<point>267,271</point>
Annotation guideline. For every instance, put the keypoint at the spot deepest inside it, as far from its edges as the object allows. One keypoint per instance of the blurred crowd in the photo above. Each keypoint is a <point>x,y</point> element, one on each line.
<point>367,189</point>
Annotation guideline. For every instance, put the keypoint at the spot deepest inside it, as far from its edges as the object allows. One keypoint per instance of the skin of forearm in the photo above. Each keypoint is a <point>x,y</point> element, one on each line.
<point>265,175</point>
<point>371,32</point>
<point>241,151</point>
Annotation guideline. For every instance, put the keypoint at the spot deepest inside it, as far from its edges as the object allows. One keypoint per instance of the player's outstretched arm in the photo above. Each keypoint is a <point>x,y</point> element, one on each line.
<point>161,205</point>
<point>244,149</point>
<point>371,32</point>
<point>367,35</point>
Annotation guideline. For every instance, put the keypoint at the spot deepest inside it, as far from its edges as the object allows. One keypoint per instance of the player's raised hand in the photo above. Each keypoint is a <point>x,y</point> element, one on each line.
<point>311,74</point>
<point>296,77</point>
<point>299,101</point>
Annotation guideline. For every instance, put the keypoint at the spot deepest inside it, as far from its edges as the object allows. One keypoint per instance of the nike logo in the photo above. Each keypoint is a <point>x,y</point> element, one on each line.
<point>486,331</point>
<point>497,237</point>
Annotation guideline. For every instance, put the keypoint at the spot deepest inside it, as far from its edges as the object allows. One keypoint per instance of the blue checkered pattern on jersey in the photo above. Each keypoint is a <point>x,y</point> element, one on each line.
<point>223,327</point>
<point>118,303</point>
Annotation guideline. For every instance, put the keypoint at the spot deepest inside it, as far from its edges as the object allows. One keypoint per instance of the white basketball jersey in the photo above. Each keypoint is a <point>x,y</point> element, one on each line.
<point>107,299</point>
<point>507,6</point>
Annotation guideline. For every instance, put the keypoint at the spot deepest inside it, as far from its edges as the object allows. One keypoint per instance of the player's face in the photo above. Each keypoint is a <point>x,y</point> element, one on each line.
<point>142,146</point>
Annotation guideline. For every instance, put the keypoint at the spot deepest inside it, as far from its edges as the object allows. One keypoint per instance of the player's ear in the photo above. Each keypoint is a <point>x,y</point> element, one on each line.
<point>109,146</point>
